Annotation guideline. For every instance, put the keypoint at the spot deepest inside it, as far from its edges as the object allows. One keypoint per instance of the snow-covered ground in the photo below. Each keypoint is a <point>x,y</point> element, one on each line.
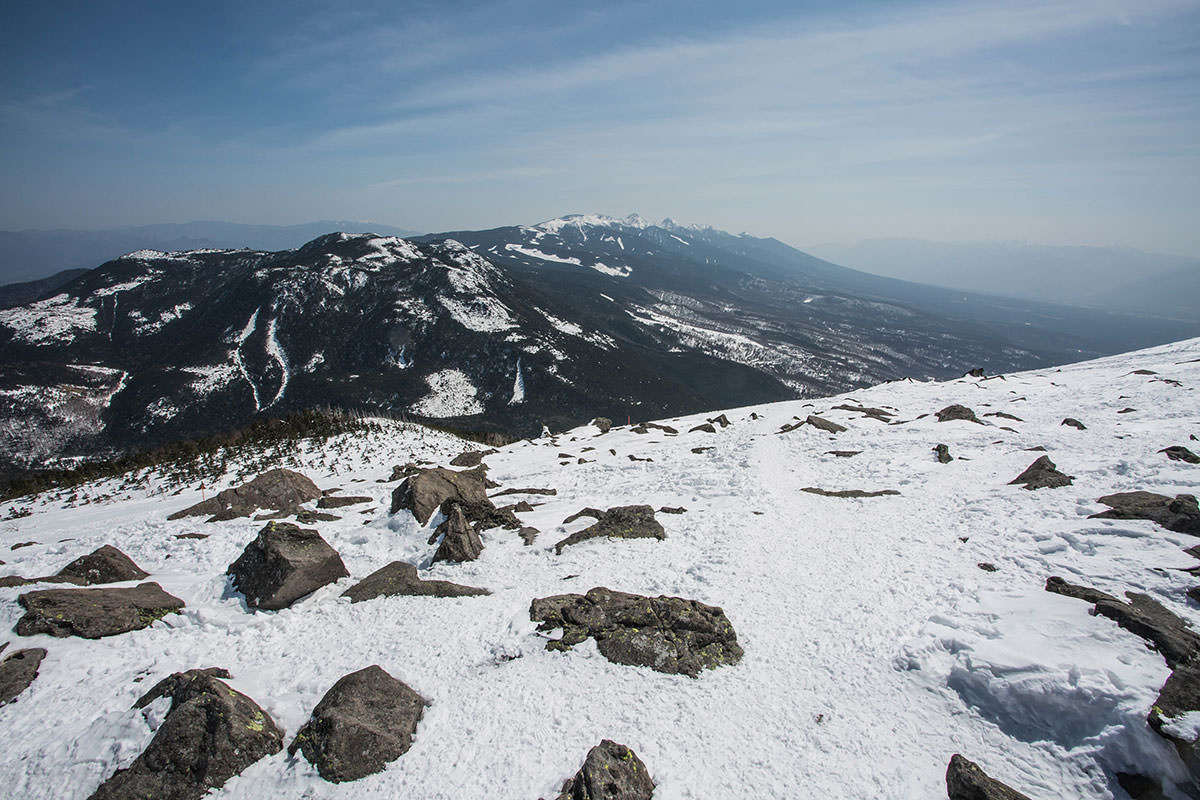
<point>875,647</point>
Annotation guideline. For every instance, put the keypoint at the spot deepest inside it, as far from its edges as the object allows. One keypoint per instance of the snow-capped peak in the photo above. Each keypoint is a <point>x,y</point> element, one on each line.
<point>592,220</point>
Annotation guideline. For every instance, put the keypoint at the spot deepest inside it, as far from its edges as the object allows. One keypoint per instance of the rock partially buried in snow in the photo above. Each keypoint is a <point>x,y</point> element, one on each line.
<point>471,458</point>
<point>279,489</point>
<point>94,613</point>
<point>1176,712</point>
<point>211,733</point>
<point>955,411</point>
<point>622,522</point>
<point>603,423</point>
<point>460,542</point>
<point>824,424</point>
<point>1042,474</point>
<point>17,671</point>
<point>668,634</point>
<point>1178,452</point>
<point>942,453</point>
<point>1071,422</point>
<point>965,780</point>
<point>284,563</point>
<point>611,771</point>
<point>400,578</point>
<point>1181,514</point>
<point>425,491</point>
<point>364,721</point>
<point>848,493</point>
<point>106,564</point>
<point>338,501</point>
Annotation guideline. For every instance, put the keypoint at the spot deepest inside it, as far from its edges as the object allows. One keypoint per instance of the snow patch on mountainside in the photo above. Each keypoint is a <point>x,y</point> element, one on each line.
<point>144,327</point>
<point>211,377</point>
<point>451,394</point>
<point>55,320</point>
<point>275,351</point>
<point>241,338</point>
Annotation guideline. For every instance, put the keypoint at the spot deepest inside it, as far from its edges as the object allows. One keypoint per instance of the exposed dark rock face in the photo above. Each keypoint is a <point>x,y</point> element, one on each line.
<point>1059,586</point>
<point>279,489</point>
<point>400,578</point>
<point>400,472</point>
<point>17,671</point>
<point>1180,514</point>
<point>364,721</point>
<point>672,510</point>
<point>622,522</point>
<point>703,428</point>
<point>955,411</point>
<point>106,564</point>
<point>460,542</point>
<point>484,516</point>
<point>848,493</point>
<point>942,453</point>
<point>965,780</point>
<point>94,613</point>
<point>471,458</point>
<point>611,771</point>
<point>1179,696</point>
<point>987,566</point>
<point>1180,453</point>
<point>1074,423</point>
<point>824,424</point>
<point>283,564</point>
<point>211,733</point>
<point>338,501</point>
<point>1042,474</point>
<point>721,420</point>
<point>548,492</point>
<point>668,634</point>
<point>422,493</point>
<point>874,413</point>
<point>603,423</point>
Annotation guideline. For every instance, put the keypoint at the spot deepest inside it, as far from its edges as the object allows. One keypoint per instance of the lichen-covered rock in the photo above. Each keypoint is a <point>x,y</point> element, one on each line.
<point>94,613</point>
<point>17,671</point>
<point>211,733</point>
<point>278,489</point>
<point>106,564</point>
<point>622,522</point>
<point>965,780</point>
<point>364,721</point>
<point>611,771</point>
<point>422,493</point>
<point>284,563</point>
<point>400,578</point>
<point>1042,474</point>
<point>1180,514</point>
<point>668,634</point>
<point>955,411</point>
<point>460,542</point>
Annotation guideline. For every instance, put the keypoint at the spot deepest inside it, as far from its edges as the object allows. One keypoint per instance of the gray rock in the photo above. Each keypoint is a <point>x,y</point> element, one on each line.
<point>471,458</point>
<point>955,411</point>
<point>283,564</point>
<point>17,671</point>
<point>668,634</point>
<point>621,522</point>
<point>848,493</point>
<point>943,453</point>
<point>338,501</point>
<point>874,413</point>
<point>1180,695</point>
<point>1180,453</point>
<point>106,564</point>
<point>528,535</point>
<point>400,578</point>
<point>720,419</point>
<point>1042,474</point>
<point>824,424</point>
<point>965,780</point>
<point>1059,586</point>
<point>705,427</point>
<point>423,492</point>
<point>603,423</point>
<point>94,613</point>
<point>1003,415</point>
<point>460,541</point>
<point>611,771</point>
<point>364,721</point>
<point>1071,422</point>
<point>547,492</point>
<point>211,733</point>
<point>278,489</point>
<point>1180,514</point>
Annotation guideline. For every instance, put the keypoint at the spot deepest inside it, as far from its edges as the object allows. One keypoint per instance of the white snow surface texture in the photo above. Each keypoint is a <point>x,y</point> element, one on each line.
<point>875,647</point>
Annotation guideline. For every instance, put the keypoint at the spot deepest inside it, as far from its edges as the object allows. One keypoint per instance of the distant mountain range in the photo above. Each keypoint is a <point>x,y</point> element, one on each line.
<point>1114,278</point>
<point>32,255</point>
<point>505,329</point>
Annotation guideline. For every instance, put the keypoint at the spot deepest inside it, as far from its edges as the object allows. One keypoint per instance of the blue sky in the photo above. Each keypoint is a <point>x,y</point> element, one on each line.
<point>1059,121</point>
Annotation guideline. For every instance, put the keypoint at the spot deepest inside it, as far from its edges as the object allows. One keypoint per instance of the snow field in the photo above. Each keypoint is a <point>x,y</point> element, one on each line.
<point>875,646</point>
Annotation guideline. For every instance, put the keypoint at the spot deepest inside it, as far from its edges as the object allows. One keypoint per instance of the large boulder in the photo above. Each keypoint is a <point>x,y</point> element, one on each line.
<point>17,671</point>
<point>278,489</point>
<point>824,424</point>
<point>283,564</point>
<point>965,780</point>
<point>622,522</point>
<point>422,493</point>
<point>211,733</point>
<point>400,578</point>
<point>1042,474</point>
<point>955,411</point>
<point>611,771</point>
<point>668,634</point>
<point>460,542</point>
<point>94,613</point>
<point>106,564</point>
<point>364,721</point>
<point>1180,514</point>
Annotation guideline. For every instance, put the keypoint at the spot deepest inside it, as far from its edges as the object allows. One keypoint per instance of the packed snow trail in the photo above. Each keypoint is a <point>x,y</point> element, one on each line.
<point>875,646</point>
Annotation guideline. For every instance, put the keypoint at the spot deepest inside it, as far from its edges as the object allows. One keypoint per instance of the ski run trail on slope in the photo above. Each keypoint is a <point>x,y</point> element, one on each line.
<point>875,647</point>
